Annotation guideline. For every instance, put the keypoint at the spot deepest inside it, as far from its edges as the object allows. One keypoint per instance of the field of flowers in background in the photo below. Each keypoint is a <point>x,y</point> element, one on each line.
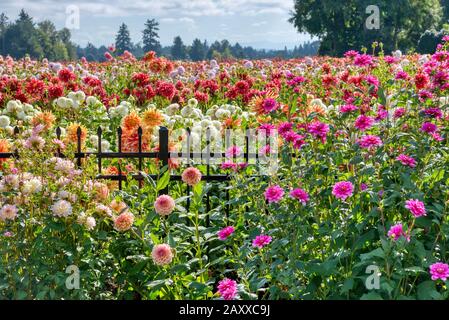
<point>359,213</point>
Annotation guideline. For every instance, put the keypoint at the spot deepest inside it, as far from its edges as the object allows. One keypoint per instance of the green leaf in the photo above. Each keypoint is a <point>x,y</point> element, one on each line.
<point>163,181</point>
<point>347,285</point>
<point>371,296</point>
<point>375,253</point>
<point>198,286</point>
<point>427,291</point>
<point>157,284</point>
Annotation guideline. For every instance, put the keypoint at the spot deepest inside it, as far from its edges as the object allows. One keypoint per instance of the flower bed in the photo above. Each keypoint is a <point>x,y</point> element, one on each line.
<point>355,206</point>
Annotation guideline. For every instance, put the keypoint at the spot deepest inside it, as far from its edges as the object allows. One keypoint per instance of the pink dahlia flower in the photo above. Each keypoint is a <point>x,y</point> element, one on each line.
<point>191,176</point>
<point>300,195</point>
<point>164,205</point>
<point>439,270</point>
<point>343,190</point>
<point>429,127</point>
<point>363,122</point>
<point>261,241</point>
<point>227,289</point>
<point>370,141</point>
<point>162,254</point>
<point>416,207</point>
<point>397,231</point>
<point>223,234</point>
<point>124,221</point>
<point>8,212</point>
<point>274,194</point>
<point>319,130</point>
<point>406,160</point>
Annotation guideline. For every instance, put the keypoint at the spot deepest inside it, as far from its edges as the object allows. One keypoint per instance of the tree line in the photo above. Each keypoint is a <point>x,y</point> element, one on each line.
<point>408,25</point>
<point>42,40</point>
<point>198,50</point>
<point>23,37</point>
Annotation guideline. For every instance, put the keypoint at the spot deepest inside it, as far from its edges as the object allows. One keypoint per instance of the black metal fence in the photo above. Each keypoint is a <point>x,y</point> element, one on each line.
<point>163,155</point>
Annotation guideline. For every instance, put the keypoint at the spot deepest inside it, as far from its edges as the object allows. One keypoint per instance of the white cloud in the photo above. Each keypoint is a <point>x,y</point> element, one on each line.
<point>259,24</point>
<point>158,8</point>
<point>187,20</point>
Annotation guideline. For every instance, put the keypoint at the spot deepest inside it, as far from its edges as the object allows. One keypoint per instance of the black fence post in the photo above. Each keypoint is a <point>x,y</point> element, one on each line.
<point>78,138</point>
<point>139,134</point>
<point>58,136</point>
<point>163,152</point>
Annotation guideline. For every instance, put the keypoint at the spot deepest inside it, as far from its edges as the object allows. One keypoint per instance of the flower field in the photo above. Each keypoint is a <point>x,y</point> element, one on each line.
<point>355,205</point>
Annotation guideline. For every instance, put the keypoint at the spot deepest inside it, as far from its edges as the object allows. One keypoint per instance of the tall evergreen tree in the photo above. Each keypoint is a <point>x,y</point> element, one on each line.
<point>123,39</point>
<point>214,50</point>
<point>197,51</point>
<point>445,6</point>
<point>150,37</point>
<point>21,38</point>
<point>3,22</point>
<point>3,26</point>
<point>237,51</point>
<point>178,50</point>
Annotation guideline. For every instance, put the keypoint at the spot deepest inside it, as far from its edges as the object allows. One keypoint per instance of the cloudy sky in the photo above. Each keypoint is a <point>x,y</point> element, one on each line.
<point>260,23</point>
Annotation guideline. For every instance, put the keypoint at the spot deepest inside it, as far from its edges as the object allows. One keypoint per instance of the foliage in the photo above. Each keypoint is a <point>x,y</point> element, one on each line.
<point>123,39</point>
<point>23,37</point>
<point>150,36</point>
<point>360,183</point>
<point>341,26</point>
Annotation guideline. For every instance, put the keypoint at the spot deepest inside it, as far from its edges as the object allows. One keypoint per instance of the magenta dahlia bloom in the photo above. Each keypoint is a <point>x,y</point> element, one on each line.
<point>439,270</point>
<point>372,80</point>
<point>343,190</point>
<point>429,127</point>
<point>402,75</point>
<point>269,105</point>
<point>261,241</point>
<point>416,207</point>
<point>364,122</point>
<point>351,54</point>
<point>399,112</point>
<point>223,234</point>
<point>348,108</point>
<point>370,141</point>
<point>285,127</point>
<point>433,113</point>
<point>363,60</point>
<point>228,165</point>
<point>291,136</point>
<point>319,130</point>
<point>397,231</point>
<point>406,160</point>
<point>274,194</point>
<point>227,289</point>
<point>300,194</point>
